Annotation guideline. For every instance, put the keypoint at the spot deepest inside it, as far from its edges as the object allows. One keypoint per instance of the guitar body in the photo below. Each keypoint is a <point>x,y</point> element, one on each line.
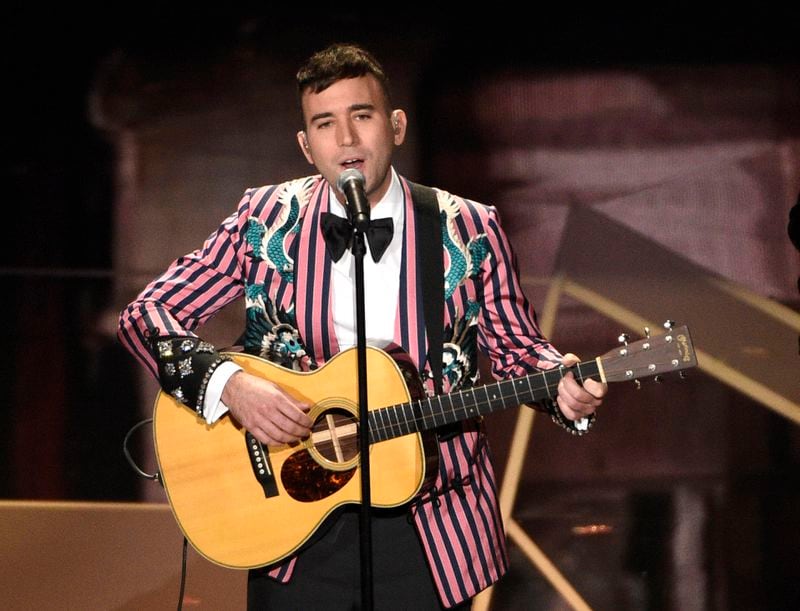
<point>211,476</point>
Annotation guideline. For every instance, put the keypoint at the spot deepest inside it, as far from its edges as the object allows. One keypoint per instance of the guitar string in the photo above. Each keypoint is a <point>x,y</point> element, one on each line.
<point>387,432</point>
<point>387,428</point>
<point>384,432</point>
<point>383,427</point>
<point>396,430</point>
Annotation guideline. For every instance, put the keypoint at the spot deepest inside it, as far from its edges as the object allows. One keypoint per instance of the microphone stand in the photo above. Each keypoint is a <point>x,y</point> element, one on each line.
<point>365,522</point>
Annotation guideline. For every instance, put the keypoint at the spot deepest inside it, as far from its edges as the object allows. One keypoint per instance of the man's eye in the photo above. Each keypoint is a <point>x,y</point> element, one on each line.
<point>363,116</point>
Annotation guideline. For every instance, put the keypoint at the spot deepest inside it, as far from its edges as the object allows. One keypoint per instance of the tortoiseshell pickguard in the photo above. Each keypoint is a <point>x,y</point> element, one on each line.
<point>306,480</point>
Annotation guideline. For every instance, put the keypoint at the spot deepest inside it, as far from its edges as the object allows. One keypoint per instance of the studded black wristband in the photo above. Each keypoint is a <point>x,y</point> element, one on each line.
<point>557,416</point>
<point>185,365</point>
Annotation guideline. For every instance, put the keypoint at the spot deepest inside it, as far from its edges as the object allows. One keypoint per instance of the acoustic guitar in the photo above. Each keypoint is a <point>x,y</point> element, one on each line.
<point>244,505</point>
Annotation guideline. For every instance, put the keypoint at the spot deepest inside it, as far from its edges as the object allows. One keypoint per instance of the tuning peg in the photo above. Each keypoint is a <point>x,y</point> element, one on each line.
<point>668,324</point>
<point>623,339</point>
<point>658,379</point>
<point>682,375</point>
<point>647,332</point>
<point>638,384</point>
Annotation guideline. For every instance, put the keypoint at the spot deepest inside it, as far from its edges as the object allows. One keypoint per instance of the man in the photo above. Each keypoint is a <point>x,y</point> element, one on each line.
<point>448,544</point>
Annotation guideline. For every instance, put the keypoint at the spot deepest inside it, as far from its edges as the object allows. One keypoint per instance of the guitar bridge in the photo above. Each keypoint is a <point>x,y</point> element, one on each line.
<point>262,467</point>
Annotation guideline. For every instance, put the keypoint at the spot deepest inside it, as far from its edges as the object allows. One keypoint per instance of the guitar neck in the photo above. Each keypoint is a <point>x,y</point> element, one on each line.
<point>431,412</point>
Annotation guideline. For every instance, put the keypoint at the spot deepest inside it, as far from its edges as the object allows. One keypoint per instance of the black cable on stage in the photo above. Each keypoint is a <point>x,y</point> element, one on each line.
<point>155,477</point>
<point>183,573</point>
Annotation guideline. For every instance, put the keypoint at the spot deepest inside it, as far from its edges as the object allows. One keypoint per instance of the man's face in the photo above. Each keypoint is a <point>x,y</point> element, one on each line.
<point>348,125</point>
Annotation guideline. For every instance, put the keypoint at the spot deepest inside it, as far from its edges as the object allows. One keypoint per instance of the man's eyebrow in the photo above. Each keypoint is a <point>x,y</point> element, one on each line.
<point>357,107</point>
<point>352,108</point>
<point>320,115</point>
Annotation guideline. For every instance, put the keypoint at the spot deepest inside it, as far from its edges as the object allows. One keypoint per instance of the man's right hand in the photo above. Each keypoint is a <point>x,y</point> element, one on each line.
<point>269,414</point>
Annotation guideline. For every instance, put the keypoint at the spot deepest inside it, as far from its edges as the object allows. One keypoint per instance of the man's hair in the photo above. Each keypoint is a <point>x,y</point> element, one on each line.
<point>337,62</point>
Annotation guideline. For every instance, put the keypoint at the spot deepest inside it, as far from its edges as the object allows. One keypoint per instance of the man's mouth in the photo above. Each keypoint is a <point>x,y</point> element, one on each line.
<point>355,162</point>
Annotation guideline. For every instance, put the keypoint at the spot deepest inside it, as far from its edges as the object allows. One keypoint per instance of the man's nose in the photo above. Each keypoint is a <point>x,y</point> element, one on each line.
<point>347,134</point>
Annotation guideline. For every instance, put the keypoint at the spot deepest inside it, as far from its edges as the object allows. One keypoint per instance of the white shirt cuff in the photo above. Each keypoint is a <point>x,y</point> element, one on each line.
<point>213,407</point>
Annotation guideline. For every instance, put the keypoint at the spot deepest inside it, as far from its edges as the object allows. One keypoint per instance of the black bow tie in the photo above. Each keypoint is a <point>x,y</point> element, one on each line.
<point>338,234</point>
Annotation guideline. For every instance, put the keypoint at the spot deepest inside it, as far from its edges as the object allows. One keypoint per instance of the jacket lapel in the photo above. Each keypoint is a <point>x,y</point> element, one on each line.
<point>313,281</point>
<point>410,320</point>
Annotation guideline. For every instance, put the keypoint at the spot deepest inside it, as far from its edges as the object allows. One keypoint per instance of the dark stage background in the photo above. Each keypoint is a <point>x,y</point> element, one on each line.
<point>129,136</point>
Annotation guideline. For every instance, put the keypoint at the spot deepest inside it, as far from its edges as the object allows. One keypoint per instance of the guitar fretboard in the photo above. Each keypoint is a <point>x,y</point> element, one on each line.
<point>428,413</point>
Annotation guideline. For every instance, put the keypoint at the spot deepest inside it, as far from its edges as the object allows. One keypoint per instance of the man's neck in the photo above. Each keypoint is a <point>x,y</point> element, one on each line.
<point>392,196</point>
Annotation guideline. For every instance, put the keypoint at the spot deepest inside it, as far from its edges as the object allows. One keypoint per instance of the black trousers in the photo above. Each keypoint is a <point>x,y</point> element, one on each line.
<point>328,574</point>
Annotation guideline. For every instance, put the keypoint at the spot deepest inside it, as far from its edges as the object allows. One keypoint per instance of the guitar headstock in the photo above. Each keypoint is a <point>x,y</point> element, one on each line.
<point>672,351</point>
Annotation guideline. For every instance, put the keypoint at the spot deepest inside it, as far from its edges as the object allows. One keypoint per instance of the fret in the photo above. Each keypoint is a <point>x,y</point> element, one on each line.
<point>407,422</point>
<point>531,392</point>
<point>418,416</point>
<point>504,387</point>
<point>520,395</point>
<point>455,400</point>
<point>551,380</point>
<point>546,385</point>
<point>395,424</point>
<point>447,408</point>
<point>432,423</point>
<point>591,368</point>
<point>441,412</point>
<point>407,426</point>
<point>488,402</point>
<point>373,434</point>
<point>497,396</point>
<point>512,385</point>
<point>461,409</point>
<point>524,395</point>
<point>492,399</point>
<point>453,407</point>
<point>401,429</point>
<point>408,418</point>
<point>384,428</point>
<point>450,413</point>
<point>398,416</point>
<point>508,390</point>
<point>386,422</point>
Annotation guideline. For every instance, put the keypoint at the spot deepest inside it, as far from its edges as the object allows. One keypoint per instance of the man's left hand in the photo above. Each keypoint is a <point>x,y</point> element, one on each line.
<point>578,401</point>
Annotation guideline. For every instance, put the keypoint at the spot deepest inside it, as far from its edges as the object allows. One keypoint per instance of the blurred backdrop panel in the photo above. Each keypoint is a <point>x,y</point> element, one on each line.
<point>638,156</point>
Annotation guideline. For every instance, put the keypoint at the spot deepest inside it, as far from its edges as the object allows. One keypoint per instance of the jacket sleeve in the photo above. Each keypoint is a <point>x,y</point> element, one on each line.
<point>509,332</point>
<point>158,326</point>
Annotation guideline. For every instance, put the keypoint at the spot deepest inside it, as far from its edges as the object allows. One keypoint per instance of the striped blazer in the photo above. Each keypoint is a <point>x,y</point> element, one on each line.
<point>271,252</point>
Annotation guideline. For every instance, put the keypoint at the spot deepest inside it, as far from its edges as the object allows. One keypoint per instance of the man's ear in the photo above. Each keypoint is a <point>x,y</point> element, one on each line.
<point>302,140</point>
<point>399,125</point>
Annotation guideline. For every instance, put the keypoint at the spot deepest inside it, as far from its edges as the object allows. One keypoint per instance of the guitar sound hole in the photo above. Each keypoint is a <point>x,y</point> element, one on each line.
<point>335,435</point>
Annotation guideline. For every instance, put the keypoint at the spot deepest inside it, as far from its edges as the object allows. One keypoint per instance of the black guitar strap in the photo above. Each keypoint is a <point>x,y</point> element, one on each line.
<point>430,261</point>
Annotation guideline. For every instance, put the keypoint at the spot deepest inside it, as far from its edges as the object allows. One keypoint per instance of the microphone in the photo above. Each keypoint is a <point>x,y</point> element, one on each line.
<point>351,183</point>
